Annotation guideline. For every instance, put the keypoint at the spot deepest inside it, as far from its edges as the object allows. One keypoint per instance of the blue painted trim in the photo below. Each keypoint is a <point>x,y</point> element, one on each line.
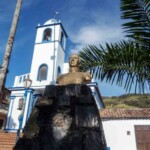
<point>20,95</point>
<point>9,129</point>
<point>11,98</point>
<point>39,72</point>
<point>93,83</point>
<point>61,46</point>
<point>27,115</point>
<point>25,98</point>
<point>37,95</point>
<point>30,90</point>
<point>25,93</point>
<point>8,118</point>
<point>53,25</point>
<point>21,88</point>
<point>94,93</point>
<point>33,99</point>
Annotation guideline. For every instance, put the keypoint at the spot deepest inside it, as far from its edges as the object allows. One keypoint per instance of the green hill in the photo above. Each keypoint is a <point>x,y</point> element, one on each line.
<point>128,101</point>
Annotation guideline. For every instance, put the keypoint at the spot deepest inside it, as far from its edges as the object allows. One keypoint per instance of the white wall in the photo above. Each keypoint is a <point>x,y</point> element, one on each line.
<point>44,54</point>
<point>60,57</point>
<point>116,133</point>
<point>13,112</point>
<point>65,68</point>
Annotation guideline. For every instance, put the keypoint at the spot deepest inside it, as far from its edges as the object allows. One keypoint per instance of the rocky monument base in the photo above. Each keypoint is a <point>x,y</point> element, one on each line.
<point>65,118</point>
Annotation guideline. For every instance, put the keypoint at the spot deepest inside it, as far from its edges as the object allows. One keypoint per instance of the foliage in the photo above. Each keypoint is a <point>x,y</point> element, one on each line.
<point>138,27</point>
<point>119,62</point>
<point>125,63</point>
<point>128,101</point>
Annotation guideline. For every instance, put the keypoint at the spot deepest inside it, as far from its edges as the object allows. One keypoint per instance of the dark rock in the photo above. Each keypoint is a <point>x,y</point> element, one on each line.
<point>66,118</point>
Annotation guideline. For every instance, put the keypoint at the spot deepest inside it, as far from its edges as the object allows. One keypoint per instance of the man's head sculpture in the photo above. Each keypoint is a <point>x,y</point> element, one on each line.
<point>74,62</point>
<point>74,76</point>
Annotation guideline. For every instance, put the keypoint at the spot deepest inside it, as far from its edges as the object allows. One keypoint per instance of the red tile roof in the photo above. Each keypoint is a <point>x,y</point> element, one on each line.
<point>125,113</point>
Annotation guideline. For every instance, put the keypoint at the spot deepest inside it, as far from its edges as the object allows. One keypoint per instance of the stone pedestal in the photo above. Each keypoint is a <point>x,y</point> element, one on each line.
<point>65,118</point>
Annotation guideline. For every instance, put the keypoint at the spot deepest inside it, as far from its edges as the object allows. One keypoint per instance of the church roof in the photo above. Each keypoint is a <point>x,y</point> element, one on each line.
<point>112,114</point>
<point>51,21</point>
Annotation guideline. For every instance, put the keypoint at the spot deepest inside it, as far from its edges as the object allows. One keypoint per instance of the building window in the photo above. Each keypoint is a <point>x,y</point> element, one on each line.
<point>24,77</point>
<point>58,71</point>
<point>62,40</point>
<point>20,79</point>
<point>47,35</point>
<point>42,73</point>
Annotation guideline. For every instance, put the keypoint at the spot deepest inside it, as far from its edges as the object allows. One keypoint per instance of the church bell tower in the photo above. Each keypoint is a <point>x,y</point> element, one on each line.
<point>49,53</point>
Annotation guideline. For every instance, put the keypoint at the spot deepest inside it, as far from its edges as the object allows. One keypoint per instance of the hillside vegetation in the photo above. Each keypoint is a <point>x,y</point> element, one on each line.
<point>128,101</point>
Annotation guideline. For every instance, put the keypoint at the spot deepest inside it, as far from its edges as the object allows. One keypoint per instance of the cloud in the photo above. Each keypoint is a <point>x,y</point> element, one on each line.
<point>95,34</point>
<point>76,49</point>
<point>96,25</point>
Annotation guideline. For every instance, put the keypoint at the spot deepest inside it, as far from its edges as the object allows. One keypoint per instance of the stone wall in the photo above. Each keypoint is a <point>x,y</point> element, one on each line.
<point>65,118</point>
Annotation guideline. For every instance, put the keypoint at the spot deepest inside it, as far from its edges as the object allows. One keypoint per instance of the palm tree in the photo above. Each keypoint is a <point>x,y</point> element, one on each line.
<point>126,63</point>
<point>6,59</point>
<point>138,11</point>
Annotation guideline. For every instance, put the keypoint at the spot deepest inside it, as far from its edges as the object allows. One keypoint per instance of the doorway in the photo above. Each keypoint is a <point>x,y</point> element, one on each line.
<point>142,134</point>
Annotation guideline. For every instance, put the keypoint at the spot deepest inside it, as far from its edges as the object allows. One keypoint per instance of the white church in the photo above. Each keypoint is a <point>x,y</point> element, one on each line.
<point>121,127</point>
<point>47,63</point>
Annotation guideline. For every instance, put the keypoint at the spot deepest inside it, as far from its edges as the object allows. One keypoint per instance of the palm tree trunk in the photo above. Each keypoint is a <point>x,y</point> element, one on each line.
<point>6,59</point>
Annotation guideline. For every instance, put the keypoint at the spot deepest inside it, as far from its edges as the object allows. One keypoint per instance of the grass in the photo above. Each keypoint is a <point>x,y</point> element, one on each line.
<point>128,101</point>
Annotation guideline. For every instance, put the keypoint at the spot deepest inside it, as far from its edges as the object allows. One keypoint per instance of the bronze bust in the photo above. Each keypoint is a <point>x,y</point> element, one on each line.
<point>75,76</point>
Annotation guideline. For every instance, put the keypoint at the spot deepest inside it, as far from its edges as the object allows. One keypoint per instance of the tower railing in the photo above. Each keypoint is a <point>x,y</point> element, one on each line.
<point>19,80</point>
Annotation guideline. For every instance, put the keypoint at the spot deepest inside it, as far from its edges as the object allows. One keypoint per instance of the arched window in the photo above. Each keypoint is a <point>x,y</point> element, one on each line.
<point>42,73</point>
<point>47,35</point>
<point>62,39</point>
<point>58,71</point>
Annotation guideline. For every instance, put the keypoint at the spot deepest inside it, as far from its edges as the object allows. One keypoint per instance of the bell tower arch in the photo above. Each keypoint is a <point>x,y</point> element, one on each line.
<point>49,53</point>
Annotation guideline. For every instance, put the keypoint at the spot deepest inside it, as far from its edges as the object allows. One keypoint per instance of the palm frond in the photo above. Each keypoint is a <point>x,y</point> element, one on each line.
<point>138,14</point>
<point>123,63</point>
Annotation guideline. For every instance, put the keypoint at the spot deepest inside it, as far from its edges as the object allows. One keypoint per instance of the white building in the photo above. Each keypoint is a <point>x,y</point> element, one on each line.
<point>122,128</point>
<point>47,64</point>
<point>126,129</point>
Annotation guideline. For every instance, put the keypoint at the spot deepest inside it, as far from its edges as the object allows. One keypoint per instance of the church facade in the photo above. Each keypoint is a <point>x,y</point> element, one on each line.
<point>47,64</point>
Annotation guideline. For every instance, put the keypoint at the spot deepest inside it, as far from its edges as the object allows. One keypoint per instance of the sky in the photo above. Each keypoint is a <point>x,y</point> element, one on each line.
<point>85,22</point>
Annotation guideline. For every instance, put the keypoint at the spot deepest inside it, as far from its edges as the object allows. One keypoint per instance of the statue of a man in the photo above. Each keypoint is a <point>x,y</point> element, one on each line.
<point>74,76</point>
